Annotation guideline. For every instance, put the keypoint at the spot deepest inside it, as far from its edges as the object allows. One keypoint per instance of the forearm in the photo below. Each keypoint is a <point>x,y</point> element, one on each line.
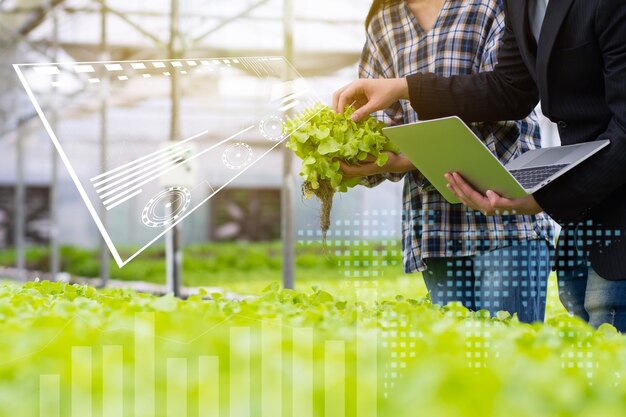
<point>372,181</point>
<point>504,92</point>
<point>473,98</point>
<point>371,174</point>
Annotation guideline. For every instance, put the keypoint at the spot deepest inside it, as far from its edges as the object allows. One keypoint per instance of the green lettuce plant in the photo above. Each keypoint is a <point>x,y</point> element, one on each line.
<point>321,138</point>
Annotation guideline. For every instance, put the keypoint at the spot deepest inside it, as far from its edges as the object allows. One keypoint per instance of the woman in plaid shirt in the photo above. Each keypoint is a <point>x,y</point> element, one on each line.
<point>486,262</point>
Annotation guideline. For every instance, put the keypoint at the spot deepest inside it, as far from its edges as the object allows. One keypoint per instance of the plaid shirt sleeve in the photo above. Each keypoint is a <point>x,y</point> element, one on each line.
<point>489,56</point>
<point>374,63</point>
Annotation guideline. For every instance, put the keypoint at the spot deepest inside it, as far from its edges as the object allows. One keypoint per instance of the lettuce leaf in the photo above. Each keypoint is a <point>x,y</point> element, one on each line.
<point>321,137</point>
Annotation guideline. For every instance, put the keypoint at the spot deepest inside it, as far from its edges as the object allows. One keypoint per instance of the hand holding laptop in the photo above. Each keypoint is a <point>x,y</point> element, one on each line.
<point>443,148</point>
<point>491,203</point>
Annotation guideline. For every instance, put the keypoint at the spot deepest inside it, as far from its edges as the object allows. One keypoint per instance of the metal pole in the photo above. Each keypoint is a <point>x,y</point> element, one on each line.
<point>20,207</point>
<point>104,133</point>
<point>173,250</point>
<point>55,259</point>
<point>129,22</point>
<point>286,203</point>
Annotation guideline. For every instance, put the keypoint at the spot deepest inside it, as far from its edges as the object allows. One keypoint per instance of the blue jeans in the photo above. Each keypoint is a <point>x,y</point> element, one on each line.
<point>513,279</point>
<point>587,295</point>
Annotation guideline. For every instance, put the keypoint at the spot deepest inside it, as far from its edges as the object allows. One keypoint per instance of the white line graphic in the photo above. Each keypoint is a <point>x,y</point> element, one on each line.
<point>113,67</point>
<point>151,164</point>
<point>294,95</point>
<point>176,165</point>
<point>84,68</point>
<point>137,167</point>
<point>155,173</point>
<point>68,165</point>
<point>174,145</point>
<point>128,197</point>
<point>289,106</point>
<point>48,70</point>
<point>211,195</point>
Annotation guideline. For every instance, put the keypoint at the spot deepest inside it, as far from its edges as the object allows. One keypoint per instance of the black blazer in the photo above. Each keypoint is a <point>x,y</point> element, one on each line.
<point>579,72</point>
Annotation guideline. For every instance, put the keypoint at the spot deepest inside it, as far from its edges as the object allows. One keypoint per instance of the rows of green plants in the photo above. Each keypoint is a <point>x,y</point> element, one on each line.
<point>74,350</point>
<point>247,268</point>
<point>233,266</point>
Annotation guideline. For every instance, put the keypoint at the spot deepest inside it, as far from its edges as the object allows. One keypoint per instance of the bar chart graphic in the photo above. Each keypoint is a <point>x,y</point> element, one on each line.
<point>267,369</point>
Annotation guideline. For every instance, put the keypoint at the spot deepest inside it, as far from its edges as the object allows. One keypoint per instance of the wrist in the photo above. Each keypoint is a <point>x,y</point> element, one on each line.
<point>401,88</point>
<point>400,164</point>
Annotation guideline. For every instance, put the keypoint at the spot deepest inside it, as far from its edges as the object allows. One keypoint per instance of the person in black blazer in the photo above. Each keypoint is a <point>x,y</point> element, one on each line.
<point>576,65</point>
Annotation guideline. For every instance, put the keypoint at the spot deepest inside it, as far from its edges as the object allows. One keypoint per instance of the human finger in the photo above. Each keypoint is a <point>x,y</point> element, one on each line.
<point>365,110</point>
<point>503,204</point>
<point>351,171</point>
<point>456,189</point>
<point>336,96</point>
<point>348,95</point>
<point>362,169</point>
<point>470,192</point>
<point>470,197</point>
<point>499,202</point>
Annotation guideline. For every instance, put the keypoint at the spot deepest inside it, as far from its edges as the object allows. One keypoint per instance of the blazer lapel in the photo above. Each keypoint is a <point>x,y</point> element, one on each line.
<point>555,15</point>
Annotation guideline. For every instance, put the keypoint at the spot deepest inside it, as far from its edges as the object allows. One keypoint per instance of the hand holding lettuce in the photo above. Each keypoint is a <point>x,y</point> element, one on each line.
<point>322,138</point>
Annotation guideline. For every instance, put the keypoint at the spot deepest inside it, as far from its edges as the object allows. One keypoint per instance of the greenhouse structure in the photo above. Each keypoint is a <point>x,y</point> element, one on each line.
<point>180,234</point>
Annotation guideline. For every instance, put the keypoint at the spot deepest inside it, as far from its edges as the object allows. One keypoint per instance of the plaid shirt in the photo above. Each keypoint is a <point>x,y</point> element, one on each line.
<point>464,40</point>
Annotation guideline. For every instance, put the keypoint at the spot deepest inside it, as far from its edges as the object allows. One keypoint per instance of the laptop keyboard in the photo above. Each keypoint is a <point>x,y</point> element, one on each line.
<point>530,177</point>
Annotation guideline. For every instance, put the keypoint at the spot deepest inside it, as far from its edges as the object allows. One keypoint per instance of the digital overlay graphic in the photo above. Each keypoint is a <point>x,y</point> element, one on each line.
<point>158,183</point>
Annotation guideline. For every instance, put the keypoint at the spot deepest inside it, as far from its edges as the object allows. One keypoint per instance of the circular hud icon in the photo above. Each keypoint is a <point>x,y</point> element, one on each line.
<point>271,128</point>
<point>166,207</point>
<point>237,155</point>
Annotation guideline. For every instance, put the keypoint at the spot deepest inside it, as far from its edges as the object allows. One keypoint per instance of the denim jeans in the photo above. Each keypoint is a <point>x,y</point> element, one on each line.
<point>513,279</point>
<point>587,295</point>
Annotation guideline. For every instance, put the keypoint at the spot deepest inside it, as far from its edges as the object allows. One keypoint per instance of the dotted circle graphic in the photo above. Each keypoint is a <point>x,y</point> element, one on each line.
<point>237,155</point>
<point>166,207</point>
<point>271,128</point>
